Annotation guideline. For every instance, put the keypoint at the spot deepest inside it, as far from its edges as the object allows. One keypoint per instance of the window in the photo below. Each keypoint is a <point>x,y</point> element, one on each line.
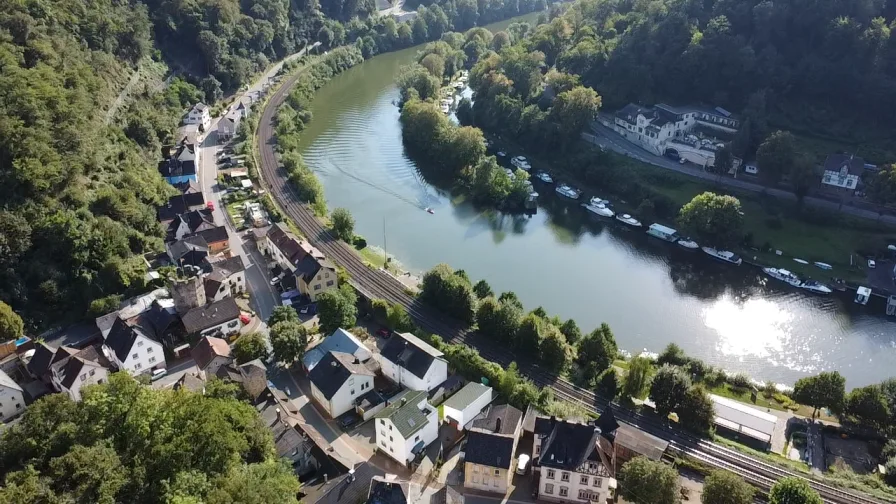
<point>597,482</point>
<point>583,480</point>
<point>149,350</point>
<point>83,376</point>
<point>497,473</point>
<point>417,438</point>
<point>390,426</point>
<point>329,283</point>
<point>137,366</point>
<point>589,496</point>
<point>475,469</point>
<point>475,478</point>
<point>550,474</point>
<point>564,476</point>
<point>327,274</point>
<point>152,359</point>
<point>135,356</point>
<point>564,491</point>
<point>140,343</point>
<point>382,422</point>
<point>233,324</point>
<point>549,489</point>
<point>317,287</point>
<point>353,392</point>
<point>92,372</point>
<point>390,439</point>
<point>18,406</point>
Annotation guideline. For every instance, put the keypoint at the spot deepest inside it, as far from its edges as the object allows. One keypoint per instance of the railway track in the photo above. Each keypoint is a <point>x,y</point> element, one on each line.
<point>376,283</point>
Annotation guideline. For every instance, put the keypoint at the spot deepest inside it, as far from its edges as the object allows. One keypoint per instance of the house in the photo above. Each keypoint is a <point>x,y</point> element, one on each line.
<point>252,375</point>
<point>44,357</point>
<point>180,204</point>
<point>281,417</point>
<point>307,269</point>
<point>406,426</point>
<point>87,367</point>
<point>574,462</point>
<point>338,381</point>
<point>690,133</point>
<point>153,314</point>
<point>217,239</point>
<point>12,398</point>
<point>210,354</point>
<point>190,251</point>
<point>221,318</point>
<point>128,348</point>
<point>311,276</point>
<point>340,341</point>
<point>491,450</point>
<point>190,223</point>
<point>200,115</point>
<point>188,187</point>
<point>192,382</point>
<point>460,409</point>
<point>179,167</point>
<point>188,293</point>
<point>842,174</point>
<point>227,278</point>
<point>411,362</point>
<point>230,124</point>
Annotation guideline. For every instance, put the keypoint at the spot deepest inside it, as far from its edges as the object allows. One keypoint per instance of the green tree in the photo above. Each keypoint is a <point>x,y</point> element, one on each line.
<point>637,380</point>
<point>288,341</point>
<point>498,320</point>
<point>868,405</point>
<point>825,390</point>
<point>673,355</point>
<point>776,155</point>
<point>555,351</point>
<point>723,487</point>
<point>668,388</point>
<point>724,160</point>
<point>882,186</point>
<point>696,412</point>
<point>608,384</point>
<point>250,347</point>
<point>574,110</point>
<point>415,81</point>
<point>283,314</point>
<point>269,482</point>
<point>802,176</point>
<point>483,289</point>
<point>448,292</point>
<point>530,334</point>
<point>500,41</point>
<point>89,473</point>
<point>643,481</point>
<point>434,64</point>
<point>793,490</point>
<point>343,224</point>
<point>11,325</point>
<point>713,219</point>
<point>597,350</point>
<point>572,332</point>
<point>337,308</point>
<point>398,319</point>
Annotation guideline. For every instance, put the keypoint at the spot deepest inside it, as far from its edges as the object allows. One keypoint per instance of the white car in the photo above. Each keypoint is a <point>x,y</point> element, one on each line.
<point>522,464</point>
<point>871,263</point>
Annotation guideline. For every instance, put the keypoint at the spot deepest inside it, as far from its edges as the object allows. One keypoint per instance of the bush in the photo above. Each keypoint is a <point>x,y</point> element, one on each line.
<point>359,242</point>
<point>740,381</point>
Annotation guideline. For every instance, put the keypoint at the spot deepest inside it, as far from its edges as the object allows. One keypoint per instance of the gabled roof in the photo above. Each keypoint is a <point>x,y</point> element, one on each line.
<point>188,187</point>
<point>174,167</point>
<point>7,382</point>
<point>203,317</point>
<point>190,382</point>
<point>198,220</point>
<point>158,319</point>
<point>179,204</point>
<point>309,267</point>
<point>568,445</point>
<point>190,250</point>
<point>222,270</point>
<point>289,245</point>
<point>340,341</point>
<point>121,339</point>
<point>334,370</point>
<point>506,415</point>
<point>200,107</point>
<point>403,411</point>
<point>388,491</point>
<point>835,162</point>
<point>208,349</point>
<point>489,449</point>
<point>41,360</point>
<point>411,353</point>
<point>467,396</point>
<point>69,368</point>
<point>253,368</point>
<point>216,234</point>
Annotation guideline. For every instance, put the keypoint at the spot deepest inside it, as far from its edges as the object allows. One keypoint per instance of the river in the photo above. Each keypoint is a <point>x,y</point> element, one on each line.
<point>573,265</point>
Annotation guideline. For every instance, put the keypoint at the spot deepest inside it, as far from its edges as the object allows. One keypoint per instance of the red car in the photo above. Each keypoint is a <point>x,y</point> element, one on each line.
<point>210,205</point>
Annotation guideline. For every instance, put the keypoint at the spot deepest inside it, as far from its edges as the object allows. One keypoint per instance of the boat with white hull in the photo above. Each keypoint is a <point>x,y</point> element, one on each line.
<point>723,255</point>
<point>544,177</point>
<point>783,275</point>
<point>569,192</point>
<point>521,163</point>
<point>687,243</point>
<point>663,233</point>
<point>599,209</point>
<point>628,220</point>
<point>816,287</point>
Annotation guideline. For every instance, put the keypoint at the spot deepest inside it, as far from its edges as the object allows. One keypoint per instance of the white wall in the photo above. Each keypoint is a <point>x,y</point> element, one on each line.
<point>399,448</point>
<point>12,403</point>
<point>216,363</point>
<point>226,328</point>
<point>437,373</point>
<point>232,285</point>
<point>145,355</point>
<point>551,485</point>
<point>466,416</point>
<point>90,375</point>
<point>344,398</point>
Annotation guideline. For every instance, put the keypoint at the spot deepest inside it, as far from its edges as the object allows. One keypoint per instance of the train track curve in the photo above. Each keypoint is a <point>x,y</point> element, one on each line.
<point>375,283</point>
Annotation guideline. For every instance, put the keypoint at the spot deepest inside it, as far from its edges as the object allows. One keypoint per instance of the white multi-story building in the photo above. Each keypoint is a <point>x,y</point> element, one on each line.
<point>12,399</point>
<point>128,348</point>
<point>87,367</point>
<point>229,124</point>
<point>338,381</point>
<point>406,426</point>
<point>411,362</point>
<point>199,115</point>
<point>574,462</point>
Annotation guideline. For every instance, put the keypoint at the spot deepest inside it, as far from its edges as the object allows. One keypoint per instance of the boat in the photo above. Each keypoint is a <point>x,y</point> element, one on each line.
<point>816,287</point>
<point>601,210</point>
<point>521,163</point>
<point>688,244</point>
<point>544,177</point>
<point>628,219</point>
<point>501,153</point>
<point>597,201</point>
<point>662,232</point>
<point>783,275</point>
<point>723,255</point>
<point>824,266</point>
<point>863,295</point>
<point>801,261</point>
<point>509,172</point>
<point>430,210</point>
<point>569,192</point>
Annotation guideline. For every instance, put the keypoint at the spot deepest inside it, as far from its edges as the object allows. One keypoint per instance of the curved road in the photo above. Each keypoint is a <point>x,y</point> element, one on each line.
<point>375,283</point>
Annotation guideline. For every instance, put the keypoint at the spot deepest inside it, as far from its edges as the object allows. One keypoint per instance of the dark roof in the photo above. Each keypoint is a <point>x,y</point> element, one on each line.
<point>121,338</point>
<point>214,235</point>
<point>41,360</point>
<point>348,488</point>
<point>190,186</point>
<point>157,320</point>
<point>182,203</point>
<point>211,286</point>
<point>641,442</point>
<point>334,370</point>
<point>287,243</point>
<point>190,250</point>
<point>201,318</point>
<point>198,220</point>
<point>70,367</point>
<point>493,450</point>
<point>411,353</point>
<point>529,418</point>
<point>207,349</point>
<point>191,382</point>
<point>221,270</point>
<point>568,445</point>
<point>607,424</point>
<point>370,399</point>
<point>510,418</point>
<point>387,492</point>
<point>834,162</point>
<point>630,112</point>
<point>308,268</point>
<point>229,373</point>
<point>172,167</point>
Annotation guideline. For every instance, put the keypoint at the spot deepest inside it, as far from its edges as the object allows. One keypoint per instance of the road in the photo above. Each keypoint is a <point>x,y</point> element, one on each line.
<point>379,284</point>
<point>610,139</point>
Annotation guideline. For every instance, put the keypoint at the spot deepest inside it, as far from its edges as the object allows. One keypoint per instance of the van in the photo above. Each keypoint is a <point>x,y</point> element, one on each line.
<point>158,374</point>
<point>522,464</point>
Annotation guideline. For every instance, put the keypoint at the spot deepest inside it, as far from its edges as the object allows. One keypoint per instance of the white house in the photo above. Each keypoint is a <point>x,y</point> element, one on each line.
<point>411,362</point>
<point>200,115</point>
<point>406,426</point>
<point>462,407</point>
<point>229,124</point>
<point>12,399</point>
<point>87,367</point>
<point>574,461</point>
<point>337,382</point>
<point>340,341</point>
<point>227,279</point>
<point>210,354</point>
<point>219,319</point>
<point>307,269</point>
<point>128,348</point>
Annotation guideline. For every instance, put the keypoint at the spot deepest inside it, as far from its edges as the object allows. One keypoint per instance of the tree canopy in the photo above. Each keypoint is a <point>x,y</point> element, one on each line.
<point>250,347</point>
<point>713,219</point>
<point>724,487</point>
<point>825,390</point>
<point>643,481</point>
<point>343,224</point>
<point>337,308</point>
<point>793,490</point>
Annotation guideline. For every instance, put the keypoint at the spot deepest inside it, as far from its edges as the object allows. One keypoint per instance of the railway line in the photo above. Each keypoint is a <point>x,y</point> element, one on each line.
<point>375,283</point>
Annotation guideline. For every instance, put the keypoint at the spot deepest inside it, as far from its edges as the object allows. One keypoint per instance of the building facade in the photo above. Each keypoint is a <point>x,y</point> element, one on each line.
<point>128,349</point>
<point>489,461</point>
<point>406,426</point>
<point>411,362</point>
<point>12,398</point>
<point>574,462</point>
<point>338,381</point>
<point>199,115</point>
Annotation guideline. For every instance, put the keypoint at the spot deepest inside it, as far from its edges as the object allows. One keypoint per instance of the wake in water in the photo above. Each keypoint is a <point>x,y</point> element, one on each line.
<point>379,187</point>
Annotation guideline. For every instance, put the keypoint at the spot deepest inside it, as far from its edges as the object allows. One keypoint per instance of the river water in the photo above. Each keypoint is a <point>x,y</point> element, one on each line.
<point>650,292</point>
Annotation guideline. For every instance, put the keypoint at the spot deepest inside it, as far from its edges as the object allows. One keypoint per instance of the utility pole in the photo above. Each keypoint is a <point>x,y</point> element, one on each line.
<point>385,250</point>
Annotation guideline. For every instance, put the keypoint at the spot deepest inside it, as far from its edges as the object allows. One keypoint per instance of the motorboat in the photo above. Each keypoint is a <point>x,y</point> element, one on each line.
<point>544,177</point>
<point>430,210</point>
<point>501,153</point>
<point>597,201</point>
<point>800,261</point>
<point>569,192</point>
<point>599,209</point>
<point>521,163</point>
<point>663,233</point>
<point>723,255</point>
<point>824,266</point>
<point>688,243</point>
<point>816,287</point>
<point>783,275</point>
<point>628,219</point>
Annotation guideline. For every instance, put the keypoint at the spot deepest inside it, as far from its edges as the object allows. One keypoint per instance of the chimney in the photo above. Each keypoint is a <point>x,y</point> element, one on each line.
<point>278,414</point>
<point>357,360</point>
<point>497,425</point>
<point>404,400</point>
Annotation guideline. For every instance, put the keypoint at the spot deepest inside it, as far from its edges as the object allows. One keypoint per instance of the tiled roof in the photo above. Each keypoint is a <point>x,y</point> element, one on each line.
<point>41,360</point>
<point>489,449</point>
<point>69,368</point>
<point>340,341</point>
<point>403,411</point>
<point>216,234</point>
<point>208,349</point>
<point>505,414</point>
<point>121,339</point>
<point>854,165</point>
<point>411,353</point>
<point>203,317</point>
<point>180,250</point>
<point>334,370</point>
<point>182,203</point>
<point>568,445</point>
<point>190,382</point>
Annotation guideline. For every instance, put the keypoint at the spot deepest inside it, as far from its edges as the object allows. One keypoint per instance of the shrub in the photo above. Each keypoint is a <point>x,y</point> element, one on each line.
<point>740,381</point>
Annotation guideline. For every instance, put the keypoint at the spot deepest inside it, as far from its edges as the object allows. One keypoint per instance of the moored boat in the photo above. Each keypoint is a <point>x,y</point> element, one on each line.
<point>595,200</point>
<point>824,266</point>
<point>723,255</point>
<point>662,232</point>
<point>816,287</point>
<point>688,243</point>
<point>544,177</point>
<point>521,163</point>
<point>569,192</point>
<point>783,275</point>
<point>628,219</point>
<point>599,209</point>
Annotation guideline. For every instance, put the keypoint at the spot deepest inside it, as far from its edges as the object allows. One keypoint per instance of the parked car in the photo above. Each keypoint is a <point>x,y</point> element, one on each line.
<point>348,420</point>
<point>871,264</point>
<point>522,464</point>
<point>682,160</point>
<point>210,205</point>
<point>158,374</point>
